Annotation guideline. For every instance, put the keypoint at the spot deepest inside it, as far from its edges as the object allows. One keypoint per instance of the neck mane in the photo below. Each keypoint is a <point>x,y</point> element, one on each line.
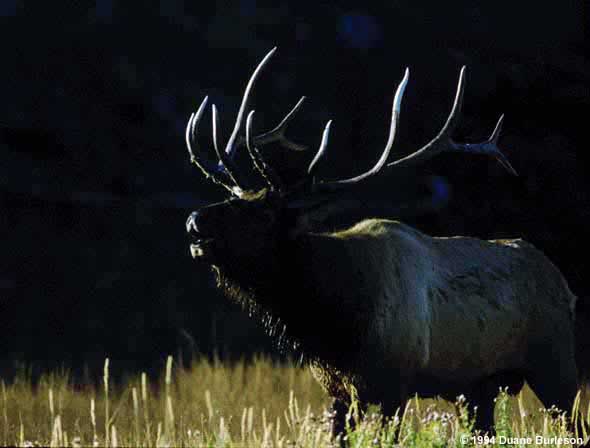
<point>299,294</point>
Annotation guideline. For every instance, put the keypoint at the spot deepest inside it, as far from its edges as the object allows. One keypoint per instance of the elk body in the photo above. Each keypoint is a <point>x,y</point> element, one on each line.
<point>380,309</point>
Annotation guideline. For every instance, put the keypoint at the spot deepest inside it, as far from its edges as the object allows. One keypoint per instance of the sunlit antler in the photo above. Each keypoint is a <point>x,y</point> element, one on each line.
<point>395,111</point>
<point>226,156</point>
<point>443,142</point>
<point>268,174</point>
<point>277,134</point>
<point>209,170</point>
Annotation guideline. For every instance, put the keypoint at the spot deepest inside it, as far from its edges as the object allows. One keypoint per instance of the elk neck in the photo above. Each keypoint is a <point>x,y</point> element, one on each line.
<point>310,285</point>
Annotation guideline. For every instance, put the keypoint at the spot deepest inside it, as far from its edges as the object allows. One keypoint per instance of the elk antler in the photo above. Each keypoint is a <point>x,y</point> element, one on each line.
<point>226,156</point>
<point>441,143</point>
<point>395,111</point>
<point>444,142</point>
<point>277,134</point>
<point>269,175</point>
<point>208,170</point>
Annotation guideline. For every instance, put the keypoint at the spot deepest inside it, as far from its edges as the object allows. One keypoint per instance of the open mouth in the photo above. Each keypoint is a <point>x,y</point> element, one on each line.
<point>199,245</point>
<point>199,242</point>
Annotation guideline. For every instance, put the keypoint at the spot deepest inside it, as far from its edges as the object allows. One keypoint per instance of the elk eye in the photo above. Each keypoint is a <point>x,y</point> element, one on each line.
<point>268,215</point>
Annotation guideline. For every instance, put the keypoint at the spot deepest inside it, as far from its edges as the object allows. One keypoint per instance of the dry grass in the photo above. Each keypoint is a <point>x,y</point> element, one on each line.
<point>256,404</point>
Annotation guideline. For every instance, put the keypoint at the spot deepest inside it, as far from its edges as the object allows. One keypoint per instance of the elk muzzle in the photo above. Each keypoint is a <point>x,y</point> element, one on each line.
<point>199,241</point>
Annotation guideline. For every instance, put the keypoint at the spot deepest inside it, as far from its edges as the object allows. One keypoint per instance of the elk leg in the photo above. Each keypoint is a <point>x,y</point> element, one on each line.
<point>339,410</point>
<point>555,384</point>
<point>389,398</point>
<point>389,408</point>
<point>484,395</point>
<point>554,375</point>
<point>482,398</point>
<point>396,399</point>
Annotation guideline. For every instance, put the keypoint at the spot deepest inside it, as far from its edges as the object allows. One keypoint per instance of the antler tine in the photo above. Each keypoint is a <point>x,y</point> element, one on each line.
<point>190,137</point>
<point>270,177</point>
<point>443,141</point>
<point>321,150</point>
<point>230,147</point>
<point>277,134</point>
<point>493,142</point>
<point>395,112</point>
<point>224,158</point>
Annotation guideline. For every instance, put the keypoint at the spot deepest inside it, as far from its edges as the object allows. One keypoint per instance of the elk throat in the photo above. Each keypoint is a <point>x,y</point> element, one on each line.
<point>256,298</point>
<point>287,296</point>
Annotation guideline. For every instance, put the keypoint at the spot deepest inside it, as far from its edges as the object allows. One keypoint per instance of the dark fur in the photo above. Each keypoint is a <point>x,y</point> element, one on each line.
<point>383,311</point>
<point>583,339</point>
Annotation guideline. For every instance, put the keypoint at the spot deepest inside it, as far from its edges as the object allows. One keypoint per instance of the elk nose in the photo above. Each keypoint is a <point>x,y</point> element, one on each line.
<point>191,222</point>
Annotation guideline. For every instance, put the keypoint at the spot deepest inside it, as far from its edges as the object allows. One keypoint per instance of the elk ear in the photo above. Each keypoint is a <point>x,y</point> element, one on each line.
<point>301,215</point>
<point>303,223</point>
<point>307,217</point>
<point>270,216</point>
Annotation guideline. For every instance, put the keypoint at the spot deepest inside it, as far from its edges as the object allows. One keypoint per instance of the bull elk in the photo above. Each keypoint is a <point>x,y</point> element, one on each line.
<point>381,308</point>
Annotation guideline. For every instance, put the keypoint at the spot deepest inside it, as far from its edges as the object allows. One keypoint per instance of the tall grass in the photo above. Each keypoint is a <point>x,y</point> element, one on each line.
<point>253,404</point>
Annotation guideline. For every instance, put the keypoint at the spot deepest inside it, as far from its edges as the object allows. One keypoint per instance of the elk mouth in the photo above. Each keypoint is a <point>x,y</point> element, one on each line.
<point>199,242</point>
<point>199,246</point>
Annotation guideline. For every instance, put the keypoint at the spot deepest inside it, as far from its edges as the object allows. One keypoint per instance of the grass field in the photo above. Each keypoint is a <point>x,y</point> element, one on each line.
<point>244,404</point>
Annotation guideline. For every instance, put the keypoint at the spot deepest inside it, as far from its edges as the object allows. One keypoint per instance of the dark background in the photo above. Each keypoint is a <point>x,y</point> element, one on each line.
<point>95,182</point>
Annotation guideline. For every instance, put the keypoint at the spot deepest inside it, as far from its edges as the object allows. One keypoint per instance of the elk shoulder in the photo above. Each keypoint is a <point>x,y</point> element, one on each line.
<point>443,305</point>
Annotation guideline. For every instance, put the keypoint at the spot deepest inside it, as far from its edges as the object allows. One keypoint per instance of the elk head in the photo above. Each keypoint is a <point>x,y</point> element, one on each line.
<point>250,223</point>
